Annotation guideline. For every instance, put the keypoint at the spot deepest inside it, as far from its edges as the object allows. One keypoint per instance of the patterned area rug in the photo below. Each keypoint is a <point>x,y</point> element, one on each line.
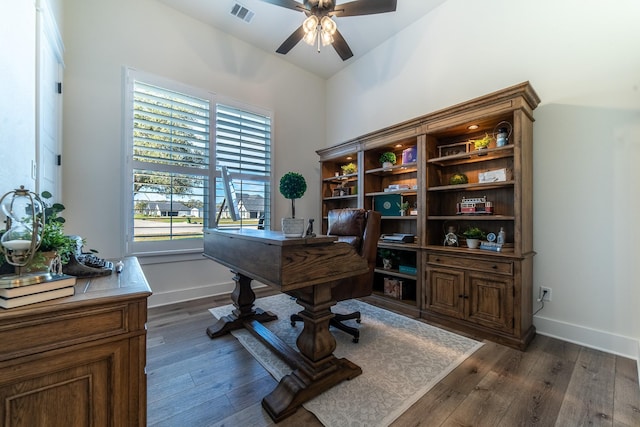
<point>401,360</point>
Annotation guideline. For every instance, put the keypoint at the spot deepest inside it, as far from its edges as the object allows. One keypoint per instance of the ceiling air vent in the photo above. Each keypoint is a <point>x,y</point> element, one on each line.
<point>242,12</point>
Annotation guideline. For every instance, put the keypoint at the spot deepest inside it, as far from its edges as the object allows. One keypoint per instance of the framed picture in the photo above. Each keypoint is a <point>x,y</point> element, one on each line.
<point>453,149</point>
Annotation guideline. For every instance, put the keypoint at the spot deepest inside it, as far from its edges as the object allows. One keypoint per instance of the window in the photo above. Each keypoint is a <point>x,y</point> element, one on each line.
<point>243,146</point>
<point>174,133</point>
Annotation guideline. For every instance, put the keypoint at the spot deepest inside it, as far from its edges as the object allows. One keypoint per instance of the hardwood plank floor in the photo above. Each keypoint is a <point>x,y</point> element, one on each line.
<point>195,381</point>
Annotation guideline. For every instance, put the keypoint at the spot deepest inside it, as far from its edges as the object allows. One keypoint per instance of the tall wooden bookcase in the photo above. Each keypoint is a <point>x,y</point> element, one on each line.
<point>486,292</point>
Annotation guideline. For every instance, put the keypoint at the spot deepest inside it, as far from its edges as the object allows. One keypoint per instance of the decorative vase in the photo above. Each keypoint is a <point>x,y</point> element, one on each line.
<point>473,243</point>
<point>386,264</point>
<point>293,227</point>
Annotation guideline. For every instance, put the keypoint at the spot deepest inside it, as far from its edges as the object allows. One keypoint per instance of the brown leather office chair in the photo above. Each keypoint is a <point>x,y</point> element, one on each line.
<point>360,228</point>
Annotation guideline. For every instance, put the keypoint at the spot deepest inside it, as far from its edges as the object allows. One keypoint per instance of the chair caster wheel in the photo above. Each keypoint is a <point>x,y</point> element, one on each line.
<point>355,340</point>
<point>358,321</point>
<point>293,324</point>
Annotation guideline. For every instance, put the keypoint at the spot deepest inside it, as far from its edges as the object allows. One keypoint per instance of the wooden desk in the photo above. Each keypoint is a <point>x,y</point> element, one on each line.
<point>305,268</point>
<point>80,360</point>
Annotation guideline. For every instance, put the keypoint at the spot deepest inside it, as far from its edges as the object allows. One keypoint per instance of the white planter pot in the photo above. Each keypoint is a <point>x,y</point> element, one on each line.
<point>387,165</point>
<point>473,243</point>
<point>293,227</point>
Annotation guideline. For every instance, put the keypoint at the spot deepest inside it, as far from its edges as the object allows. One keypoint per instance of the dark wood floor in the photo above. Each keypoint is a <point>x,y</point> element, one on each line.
<point>195,381</point>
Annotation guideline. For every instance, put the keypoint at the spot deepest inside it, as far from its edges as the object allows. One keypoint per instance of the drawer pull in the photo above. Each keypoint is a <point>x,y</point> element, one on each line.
<point>437,259</point>
<point>495,267</point>
<point>463,296</point>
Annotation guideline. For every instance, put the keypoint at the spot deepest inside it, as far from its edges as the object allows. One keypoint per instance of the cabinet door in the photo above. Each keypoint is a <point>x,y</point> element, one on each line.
<point>446,291</point>
<point>79,388</point>
<point>491,300</point>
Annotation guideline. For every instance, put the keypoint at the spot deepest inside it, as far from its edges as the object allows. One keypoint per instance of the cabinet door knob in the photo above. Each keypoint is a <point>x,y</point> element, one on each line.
<point>495,267</point>
<point>437,259</point>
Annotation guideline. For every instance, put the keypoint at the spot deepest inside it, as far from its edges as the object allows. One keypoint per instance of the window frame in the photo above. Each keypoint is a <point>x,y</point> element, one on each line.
<point>179,249</point>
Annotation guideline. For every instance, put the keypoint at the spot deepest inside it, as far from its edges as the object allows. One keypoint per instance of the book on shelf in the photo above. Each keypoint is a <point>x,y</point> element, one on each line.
<point>38,297</point>
<point>57,282</point>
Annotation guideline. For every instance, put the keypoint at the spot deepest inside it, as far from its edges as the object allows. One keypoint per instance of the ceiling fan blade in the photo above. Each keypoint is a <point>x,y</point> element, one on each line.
<point>289,4</point>
<point>291,41</point>
<point>369,7</point>
<point>341,46</point>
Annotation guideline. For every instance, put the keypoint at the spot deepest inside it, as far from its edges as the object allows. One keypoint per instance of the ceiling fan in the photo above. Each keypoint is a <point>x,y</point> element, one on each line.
<point>318,28</point>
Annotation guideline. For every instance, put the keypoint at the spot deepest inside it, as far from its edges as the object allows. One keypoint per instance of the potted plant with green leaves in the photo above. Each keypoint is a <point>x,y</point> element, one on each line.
<point>473,236</point>
<point>403,207</point>
<point>349,169</point>
<point>387,159</point>
<point>293,186</point>
<point>54,243</point>
<point>387,256</point>
<point>482,143</point>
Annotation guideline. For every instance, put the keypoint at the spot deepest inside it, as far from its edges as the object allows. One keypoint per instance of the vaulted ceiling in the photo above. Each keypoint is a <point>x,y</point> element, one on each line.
<point>270,25</point>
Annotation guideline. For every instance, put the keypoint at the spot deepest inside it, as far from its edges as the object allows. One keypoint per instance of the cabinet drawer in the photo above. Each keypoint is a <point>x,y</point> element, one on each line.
<point>502,267</point>
<point>57,330</point>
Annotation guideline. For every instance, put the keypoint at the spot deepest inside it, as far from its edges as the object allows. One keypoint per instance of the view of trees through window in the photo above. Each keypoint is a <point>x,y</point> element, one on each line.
<point>174,145</point>
<point>171,139</point>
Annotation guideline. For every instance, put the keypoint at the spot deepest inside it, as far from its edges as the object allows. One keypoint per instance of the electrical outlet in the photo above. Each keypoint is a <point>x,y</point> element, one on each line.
<point>545,294</point>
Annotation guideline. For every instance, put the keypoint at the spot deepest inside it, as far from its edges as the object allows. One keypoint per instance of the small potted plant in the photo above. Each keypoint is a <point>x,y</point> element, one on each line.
<point>482,143</point>
<point>473,236</point>
<point>403,207</point>
<point>54,243</point>
<point>387,159</point>
<point>349,168</point>
<point>387,256</point>
<point>293,186</point>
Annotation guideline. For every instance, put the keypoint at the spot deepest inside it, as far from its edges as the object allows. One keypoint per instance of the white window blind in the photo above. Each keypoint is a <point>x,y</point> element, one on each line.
<point>177,139</point>
<point>171,134</point>
<point>243,145</point>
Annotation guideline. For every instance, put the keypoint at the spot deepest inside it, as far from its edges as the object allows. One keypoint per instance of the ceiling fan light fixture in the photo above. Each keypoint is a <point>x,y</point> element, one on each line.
<point>328,25</point>
<point>310,24</point>
<point>310,38</point>
<point>326,38</point>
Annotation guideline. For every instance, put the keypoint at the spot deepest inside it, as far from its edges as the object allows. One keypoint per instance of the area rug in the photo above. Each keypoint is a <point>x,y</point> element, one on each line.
<point>401,359</point>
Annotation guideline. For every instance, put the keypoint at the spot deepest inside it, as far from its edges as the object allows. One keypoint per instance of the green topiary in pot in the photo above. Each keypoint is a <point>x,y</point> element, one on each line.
<point>473,233</point>
<point>293,186</point>
<point>388,157</point>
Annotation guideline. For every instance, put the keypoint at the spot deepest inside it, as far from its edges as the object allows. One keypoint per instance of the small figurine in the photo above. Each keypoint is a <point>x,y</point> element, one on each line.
<point>309,232</point>
<point>451,239</point>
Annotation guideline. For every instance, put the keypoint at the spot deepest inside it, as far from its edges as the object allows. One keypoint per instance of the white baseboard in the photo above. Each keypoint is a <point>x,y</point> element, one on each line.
<point>181,295</point>
<point>638,363</point>
<point>592,338</point>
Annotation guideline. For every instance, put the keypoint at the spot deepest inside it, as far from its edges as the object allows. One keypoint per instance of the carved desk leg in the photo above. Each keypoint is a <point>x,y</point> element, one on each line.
<point>243,298</point>
<point>319,369</point>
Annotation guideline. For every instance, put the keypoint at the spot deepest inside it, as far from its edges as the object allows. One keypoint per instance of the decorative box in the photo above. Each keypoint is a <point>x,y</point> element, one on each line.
<point>409,155</point>
<point>387,204</point>
<point>392,288</point>
<point>407,269</point>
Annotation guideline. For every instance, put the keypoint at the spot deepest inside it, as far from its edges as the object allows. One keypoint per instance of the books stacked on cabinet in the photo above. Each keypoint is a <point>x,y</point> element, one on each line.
<point>61,285</point>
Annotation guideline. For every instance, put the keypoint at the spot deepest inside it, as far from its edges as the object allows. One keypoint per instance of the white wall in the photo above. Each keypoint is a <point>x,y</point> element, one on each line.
<point>582,59</point>
<point>103,36</point>
<point>17,94</point>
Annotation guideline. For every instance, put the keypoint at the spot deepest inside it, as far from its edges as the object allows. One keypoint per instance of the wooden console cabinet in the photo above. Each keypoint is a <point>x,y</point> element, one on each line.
<point>80,360</point>
<point>480,291</point>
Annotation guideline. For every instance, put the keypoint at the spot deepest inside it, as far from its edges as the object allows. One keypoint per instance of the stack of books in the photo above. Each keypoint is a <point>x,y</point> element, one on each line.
<point>12,295</point>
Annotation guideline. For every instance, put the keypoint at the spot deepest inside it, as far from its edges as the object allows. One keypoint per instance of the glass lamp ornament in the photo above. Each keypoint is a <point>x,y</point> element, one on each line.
<point>451,238</point>
<point>25,218</point>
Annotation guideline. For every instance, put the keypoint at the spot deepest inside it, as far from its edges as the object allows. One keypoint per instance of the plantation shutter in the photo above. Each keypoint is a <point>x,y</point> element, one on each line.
<point>170,162</point>
<point>243,145</point>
